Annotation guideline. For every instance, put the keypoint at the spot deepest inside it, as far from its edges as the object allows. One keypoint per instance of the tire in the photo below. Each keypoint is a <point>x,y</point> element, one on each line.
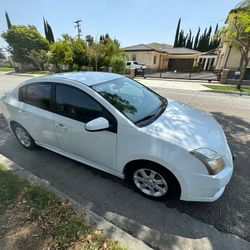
<point>23,136</point>
<point>153,181</point>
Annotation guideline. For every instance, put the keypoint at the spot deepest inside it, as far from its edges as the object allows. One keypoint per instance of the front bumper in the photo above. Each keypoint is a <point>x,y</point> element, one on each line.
<point>207,188</point>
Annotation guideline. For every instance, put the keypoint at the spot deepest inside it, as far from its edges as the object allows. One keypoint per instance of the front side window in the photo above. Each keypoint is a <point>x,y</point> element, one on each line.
<point>37,94</point>
<point>132,99</point>
<point>75,104</point>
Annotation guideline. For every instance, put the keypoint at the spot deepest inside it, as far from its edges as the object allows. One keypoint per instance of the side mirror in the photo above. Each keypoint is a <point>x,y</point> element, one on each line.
<point>97,124</point>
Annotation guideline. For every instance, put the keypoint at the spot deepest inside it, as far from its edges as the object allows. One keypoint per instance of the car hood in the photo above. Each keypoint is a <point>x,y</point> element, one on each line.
<point>189,128</point>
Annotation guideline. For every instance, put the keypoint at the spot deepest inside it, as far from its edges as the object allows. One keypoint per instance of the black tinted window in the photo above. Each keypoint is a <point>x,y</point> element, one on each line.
<point>37,95</point>
<point>75,104</point>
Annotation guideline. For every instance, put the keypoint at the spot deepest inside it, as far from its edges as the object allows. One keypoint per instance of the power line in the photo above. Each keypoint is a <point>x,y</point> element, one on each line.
<point>78,26</point>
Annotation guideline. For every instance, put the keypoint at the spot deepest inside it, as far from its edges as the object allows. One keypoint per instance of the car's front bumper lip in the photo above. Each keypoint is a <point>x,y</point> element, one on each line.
<point>211,187</point>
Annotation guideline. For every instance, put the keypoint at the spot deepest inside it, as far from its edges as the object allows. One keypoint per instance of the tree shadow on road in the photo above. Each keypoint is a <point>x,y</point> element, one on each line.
<point>231,213</point>
<point>115,201</point>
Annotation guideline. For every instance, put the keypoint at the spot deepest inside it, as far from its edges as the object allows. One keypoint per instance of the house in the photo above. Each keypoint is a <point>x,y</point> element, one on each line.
<point>229,57</point>
<point>207,60</point>
<point>160,56</point>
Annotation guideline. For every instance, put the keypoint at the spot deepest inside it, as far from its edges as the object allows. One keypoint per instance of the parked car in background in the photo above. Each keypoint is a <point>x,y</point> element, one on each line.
<point>118,125</point>
<point>135,65</point>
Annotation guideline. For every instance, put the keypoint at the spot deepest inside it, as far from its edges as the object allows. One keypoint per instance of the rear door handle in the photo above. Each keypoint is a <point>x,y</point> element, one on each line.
<point>61,126</point>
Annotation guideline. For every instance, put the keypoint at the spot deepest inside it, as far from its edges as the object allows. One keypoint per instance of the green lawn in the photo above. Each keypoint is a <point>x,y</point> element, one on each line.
<point>227,88</point>
<point>51,222</point>
<point>6,69</point>
<point>38,72</point>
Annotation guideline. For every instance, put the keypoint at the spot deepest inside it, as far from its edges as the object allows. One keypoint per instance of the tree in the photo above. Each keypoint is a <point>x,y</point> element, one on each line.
<point>61,54</point>
<point>214,39</point>
<point>189,43</point>
<point>96,52</point>
<point>48,31</point>
<point>45,28</point>
<point>80,56</point>
<point>181,39</point>
<point>117,64</point>
<point>7,20</point>
<point>68,53</point>
<point>89,40</point>
<point>111,48</point>
<point>202,42</point>
<point>177,34</point>
<point>243,4</point>
<point>50,37</point>
<point>22,40</point>
<point>237,34</point>
<point>196,41</point>
<point>39,58</point>
<point>2,56</point>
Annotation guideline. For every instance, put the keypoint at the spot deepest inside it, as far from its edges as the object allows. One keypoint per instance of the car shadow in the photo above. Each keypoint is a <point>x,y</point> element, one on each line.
<point>153,222</point>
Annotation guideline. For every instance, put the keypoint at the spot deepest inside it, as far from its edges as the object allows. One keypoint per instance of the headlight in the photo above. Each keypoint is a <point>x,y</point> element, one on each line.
<point>212,160</point>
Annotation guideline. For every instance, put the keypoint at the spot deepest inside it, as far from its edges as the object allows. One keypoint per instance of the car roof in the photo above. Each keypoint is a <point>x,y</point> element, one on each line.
<point>86,78</point>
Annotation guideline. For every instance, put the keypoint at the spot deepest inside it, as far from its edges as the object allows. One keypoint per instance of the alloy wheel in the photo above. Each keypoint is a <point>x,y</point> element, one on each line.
<point>23,137</point>
<point>150,182</point>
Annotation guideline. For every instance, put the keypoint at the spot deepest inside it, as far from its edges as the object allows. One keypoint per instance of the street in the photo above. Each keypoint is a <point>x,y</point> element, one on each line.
<point>116,201</point>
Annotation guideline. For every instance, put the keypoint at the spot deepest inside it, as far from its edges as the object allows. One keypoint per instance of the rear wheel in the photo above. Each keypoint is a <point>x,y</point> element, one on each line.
<point>153,182</point>
<point>23,136</point>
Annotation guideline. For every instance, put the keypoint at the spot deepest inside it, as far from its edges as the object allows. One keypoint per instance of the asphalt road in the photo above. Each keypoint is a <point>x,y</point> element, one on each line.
<point>116,201</point>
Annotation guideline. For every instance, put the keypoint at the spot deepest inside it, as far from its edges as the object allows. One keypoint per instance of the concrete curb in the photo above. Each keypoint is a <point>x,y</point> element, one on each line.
<point>109,230</point>
<point>176,79</point>
<point>228,92</point>
<point>20,74</point>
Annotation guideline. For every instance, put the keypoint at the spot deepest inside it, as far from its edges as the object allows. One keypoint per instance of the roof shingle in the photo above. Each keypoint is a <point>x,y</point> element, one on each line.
<point>163,48</point>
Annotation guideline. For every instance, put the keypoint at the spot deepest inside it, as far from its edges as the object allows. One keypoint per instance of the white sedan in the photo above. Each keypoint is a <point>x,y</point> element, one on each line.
<point>119,126</point>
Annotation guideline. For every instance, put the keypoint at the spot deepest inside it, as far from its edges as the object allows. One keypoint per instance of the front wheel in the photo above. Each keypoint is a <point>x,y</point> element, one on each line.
<point>23,137</point>
<point>153,182</point>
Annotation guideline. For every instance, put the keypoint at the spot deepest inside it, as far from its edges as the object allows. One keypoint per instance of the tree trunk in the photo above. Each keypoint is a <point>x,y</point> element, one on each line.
<point>96,65</point>
<point>241,61</point>
<point>242,72</point>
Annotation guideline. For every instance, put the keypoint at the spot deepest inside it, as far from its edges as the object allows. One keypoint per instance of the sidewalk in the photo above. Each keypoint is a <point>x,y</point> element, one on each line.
<point>187,85</point>
<point>173,84</point>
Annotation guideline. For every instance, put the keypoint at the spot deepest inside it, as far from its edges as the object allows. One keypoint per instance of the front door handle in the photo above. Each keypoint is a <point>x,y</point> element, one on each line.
<point>61,126</point>
<point>24,112</point>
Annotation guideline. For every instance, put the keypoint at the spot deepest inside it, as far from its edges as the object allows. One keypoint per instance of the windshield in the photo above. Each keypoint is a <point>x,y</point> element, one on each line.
<point>132,99</point>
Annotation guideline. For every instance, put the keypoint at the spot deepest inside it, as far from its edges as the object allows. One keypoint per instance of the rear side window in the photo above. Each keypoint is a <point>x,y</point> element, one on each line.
<point>74,103</point>
<point>38,95</point>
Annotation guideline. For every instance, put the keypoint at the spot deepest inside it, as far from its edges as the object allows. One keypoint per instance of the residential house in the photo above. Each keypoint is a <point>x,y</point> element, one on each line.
<point>229,57</point>
<point>160,56</point>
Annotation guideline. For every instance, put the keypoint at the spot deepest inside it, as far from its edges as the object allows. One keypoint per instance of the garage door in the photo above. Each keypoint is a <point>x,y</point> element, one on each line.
<point>181,65</point>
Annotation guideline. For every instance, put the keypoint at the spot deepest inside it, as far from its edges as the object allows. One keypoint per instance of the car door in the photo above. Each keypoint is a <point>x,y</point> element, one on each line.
<point>35,112</point>
<point>73,109</point>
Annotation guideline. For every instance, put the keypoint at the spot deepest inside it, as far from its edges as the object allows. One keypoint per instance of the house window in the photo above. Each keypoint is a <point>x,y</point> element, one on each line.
<point>155,59</point>
<point>133,57</point>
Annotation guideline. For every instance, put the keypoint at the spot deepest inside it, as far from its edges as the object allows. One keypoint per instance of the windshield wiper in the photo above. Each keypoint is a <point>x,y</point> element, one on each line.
<point>155,114</point>
<point>145,118</point>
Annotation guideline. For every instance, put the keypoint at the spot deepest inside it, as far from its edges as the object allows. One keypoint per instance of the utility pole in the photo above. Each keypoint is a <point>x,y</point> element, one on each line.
<point>78,26</point>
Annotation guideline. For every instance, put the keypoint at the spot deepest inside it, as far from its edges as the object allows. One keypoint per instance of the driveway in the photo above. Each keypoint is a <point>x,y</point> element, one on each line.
<point>113,199</point>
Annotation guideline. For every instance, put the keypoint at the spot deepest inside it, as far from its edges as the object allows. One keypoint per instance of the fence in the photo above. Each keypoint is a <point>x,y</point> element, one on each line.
<point>189,75</point>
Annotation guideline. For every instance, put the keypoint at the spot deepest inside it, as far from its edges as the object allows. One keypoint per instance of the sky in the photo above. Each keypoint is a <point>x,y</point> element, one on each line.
<point>130,21</point>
